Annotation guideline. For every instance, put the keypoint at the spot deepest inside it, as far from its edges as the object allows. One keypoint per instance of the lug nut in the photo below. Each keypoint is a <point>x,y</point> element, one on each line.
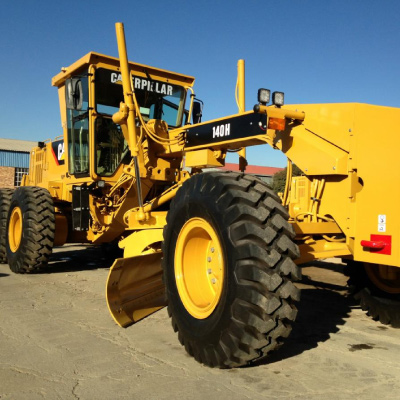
<point>209,271</point>
<point>213,281</point>
<point>209,259</point>
<point>212,250</point>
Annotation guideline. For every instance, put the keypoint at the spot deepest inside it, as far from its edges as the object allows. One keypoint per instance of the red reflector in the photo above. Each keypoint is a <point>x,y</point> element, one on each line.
<point>277,123</point>
<point>379,244</point>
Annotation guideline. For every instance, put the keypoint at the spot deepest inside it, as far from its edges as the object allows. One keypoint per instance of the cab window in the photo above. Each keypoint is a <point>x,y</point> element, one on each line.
<point>111,147</point>
<point>78,132</point>
<point>156,99</point>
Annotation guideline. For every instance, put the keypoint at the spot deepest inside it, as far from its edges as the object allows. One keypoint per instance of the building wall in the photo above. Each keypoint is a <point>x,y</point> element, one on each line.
<point>13,165</point>
<point>14,159</point>
<point>7,175</point>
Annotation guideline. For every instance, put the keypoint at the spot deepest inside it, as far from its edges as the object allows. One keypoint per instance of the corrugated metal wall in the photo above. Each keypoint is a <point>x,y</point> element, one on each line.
<point>14,159</point>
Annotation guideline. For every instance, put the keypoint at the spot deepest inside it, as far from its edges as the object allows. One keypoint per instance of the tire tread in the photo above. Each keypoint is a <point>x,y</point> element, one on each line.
<point>263,311</point>
<point>38,229</point>
<point>380,306</point>
<point>5,201</point>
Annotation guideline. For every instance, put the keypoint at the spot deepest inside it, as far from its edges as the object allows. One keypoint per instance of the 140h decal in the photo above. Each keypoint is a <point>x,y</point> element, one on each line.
<point>221,130</point>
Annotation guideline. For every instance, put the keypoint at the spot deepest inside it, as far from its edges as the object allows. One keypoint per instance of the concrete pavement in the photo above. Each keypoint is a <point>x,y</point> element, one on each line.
<point>58,341</point>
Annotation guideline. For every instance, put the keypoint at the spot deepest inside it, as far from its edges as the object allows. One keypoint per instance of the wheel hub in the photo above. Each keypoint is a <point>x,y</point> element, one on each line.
<point>384,277</point>
<point>199,267</point>
<point>15,229</point>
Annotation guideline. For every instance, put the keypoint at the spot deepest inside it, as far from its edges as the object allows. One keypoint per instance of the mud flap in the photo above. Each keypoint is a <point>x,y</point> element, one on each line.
<point>135,288</point>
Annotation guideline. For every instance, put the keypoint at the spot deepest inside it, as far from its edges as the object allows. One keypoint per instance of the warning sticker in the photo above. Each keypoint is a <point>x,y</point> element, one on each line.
<point>382,223</point>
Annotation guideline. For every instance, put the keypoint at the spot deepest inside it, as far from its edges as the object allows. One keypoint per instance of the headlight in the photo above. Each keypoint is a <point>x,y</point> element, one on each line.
<point>278,98</point>
<point>263,96</point>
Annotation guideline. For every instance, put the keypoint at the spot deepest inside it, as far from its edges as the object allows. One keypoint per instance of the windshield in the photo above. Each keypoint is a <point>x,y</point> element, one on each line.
<point>111,147</point>
<point>156,99</point>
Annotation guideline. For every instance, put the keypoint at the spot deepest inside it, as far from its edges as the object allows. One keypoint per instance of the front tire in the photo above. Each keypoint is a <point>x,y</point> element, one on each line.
<point>228,267</point>
<point>31,227</point>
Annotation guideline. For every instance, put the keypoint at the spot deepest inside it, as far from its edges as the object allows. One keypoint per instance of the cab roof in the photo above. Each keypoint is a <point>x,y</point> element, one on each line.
<point>93,58</point>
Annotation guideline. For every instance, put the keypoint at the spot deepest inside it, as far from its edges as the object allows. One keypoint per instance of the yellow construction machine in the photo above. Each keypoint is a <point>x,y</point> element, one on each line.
<point>220,249</point>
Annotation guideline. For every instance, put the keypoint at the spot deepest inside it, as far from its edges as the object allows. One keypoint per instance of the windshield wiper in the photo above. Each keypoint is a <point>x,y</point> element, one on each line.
<point>80,117</point>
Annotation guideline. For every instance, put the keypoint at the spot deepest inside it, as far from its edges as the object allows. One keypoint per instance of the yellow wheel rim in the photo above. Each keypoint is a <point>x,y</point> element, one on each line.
<point>199,268</point>
<point>384,277</point>
<point>15,229</point>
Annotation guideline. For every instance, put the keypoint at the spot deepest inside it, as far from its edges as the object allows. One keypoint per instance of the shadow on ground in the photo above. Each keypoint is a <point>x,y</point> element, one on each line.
<point>322,310</point>
<point>70,258</point>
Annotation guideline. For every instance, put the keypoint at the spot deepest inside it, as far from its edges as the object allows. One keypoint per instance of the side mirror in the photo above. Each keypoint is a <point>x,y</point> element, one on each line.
<point>197,112</point>
<point>73,94</point>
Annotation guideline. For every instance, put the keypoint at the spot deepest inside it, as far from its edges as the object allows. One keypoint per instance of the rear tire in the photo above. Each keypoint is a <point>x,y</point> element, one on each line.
<point>31,227</point>
<point>253,310</point>
<point>379,298</point>
<point>5,200</point>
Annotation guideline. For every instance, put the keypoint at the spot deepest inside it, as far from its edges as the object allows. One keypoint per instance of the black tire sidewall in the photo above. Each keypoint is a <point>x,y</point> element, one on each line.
<point>361,281</point>
<point>204,207</point>
<point>5,198</point>
<point>38,227</point>
<point>380,305</point>
<point>15,258</point>
<point>377,291</point>
<point>256,308</point>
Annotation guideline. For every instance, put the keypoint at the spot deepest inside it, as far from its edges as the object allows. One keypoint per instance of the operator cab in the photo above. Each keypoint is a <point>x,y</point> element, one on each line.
<point>92,94</point>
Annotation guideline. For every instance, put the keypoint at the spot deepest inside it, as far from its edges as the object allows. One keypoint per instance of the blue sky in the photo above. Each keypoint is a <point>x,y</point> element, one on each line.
<point>314,51</point>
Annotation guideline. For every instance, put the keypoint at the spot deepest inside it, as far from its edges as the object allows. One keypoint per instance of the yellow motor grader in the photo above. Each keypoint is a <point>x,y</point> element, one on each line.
<point>220,249</point>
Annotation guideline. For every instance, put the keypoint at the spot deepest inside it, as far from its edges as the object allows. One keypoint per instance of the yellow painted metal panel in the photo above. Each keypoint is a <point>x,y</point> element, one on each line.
<point>377,142</point>
<point>322,249</point>
<point>313,154</point>
<point>335,202</point>
<point>135,289</point>
<point>331,121</point>
<point>202,158</point>
<point>361,141</point>
<point>316,228</point>
<point>136,243</point>
<point>98,59</point>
